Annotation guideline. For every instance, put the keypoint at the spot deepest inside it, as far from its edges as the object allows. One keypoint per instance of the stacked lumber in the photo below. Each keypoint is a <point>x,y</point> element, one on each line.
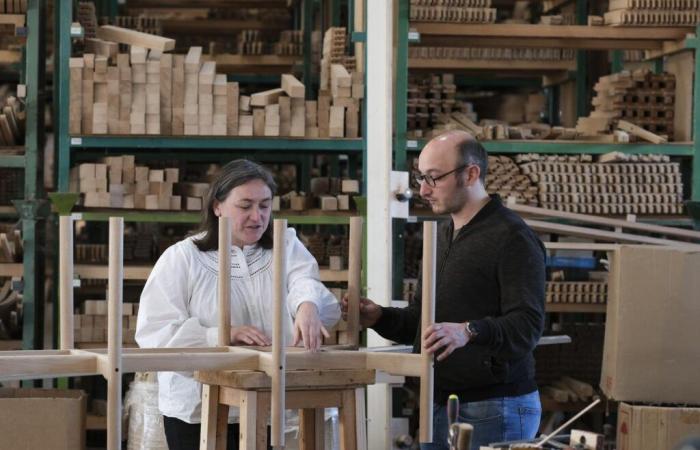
<point>11,185</point>
<point>459,11</point>
<point>12,121</point>
<point>10,312</point>
<point>291,43</point>
<point>653,13</point>
<point>334,47</point>
<point>505,178</point>
<point>327,194</point>
<point>648,184</point>
<point>87,18</point>
<point>116,182</point>
<point>144,24</point>
<point>11,246</point>
<point>13,6</point>
<point>582,358</point>
<point>156,93</point>
<point>91,325</point>
<point>430,97</point>
<point>491,53</point>
<point>642,98</point>
<point>590,292</point>
<point>328,249</point>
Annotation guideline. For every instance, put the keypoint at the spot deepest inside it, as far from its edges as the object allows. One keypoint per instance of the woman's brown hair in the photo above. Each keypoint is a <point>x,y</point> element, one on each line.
<point>235,173</point>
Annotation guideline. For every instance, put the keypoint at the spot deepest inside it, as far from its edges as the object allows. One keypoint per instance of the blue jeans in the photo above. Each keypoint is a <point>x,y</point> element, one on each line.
<point>494,420</point>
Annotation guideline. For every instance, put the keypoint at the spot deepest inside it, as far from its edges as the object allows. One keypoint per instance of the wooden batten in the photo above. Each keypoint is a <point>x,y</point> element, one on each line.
<point>66,282</point>
<point>279,297</point>
<point>114,337</point>
<point>224,286</point>
<point>427,319</point>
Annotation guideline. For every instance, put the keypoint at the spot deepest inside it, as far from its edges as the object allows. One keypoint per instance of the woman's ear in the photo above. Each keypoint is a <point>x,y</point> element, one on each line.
<point>217,208</point>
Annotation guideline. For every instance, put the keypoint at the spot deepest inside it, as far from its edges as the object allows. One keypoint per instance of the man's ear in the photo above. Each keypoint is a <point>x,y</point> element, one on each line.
<point>473,174</point>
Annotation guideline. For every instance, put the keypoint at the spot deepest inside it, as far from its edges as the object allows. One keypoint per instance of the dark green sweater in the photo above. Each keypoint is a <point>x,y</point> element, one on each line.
<point>493,275</point>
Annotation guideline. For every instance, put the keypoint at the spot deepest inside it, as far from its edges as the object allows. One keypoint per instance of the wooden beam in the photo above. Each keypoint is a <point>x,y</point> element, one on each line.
<point>668,231</point>
<point>354,281</point>
<point>427,319</point>
<point>292,86</point>
<point>280,314</point>
<point>640,132</point>
<point>136,38</point>
<point>114,333</point>
<point>224,281</point>
<point>210,408</point>
<point>265,98</point>
<point>66,282</point>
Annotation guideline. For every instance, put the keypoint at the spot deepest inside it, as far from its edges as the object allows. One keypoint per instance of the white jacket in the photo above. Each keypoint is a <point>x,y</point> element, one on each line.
<point>178,307</point>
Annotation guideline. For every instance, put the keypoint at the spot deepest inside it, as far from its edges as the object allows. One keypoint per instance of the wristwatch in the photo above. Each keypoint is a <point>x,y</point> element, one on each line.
<point>471,330</point>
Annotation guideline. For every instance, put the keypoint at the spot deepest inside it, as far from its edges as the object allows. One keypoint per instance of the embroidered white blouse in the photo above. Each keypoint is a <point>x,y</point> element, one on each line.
<point>178,307</point>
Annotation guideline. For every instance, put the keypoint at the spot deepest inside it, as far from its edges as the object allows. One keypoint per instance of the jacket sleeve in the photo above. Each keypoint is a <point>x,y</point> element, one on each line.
<point>401,324</point>
<point>164,319</point>
<point>521,277</point>
<point>304,283</point>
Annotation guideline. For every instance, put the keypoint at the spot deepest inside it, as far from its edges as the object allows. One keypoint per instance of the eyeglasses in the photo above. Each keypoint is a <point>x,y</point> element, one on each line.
<point>431,180</point>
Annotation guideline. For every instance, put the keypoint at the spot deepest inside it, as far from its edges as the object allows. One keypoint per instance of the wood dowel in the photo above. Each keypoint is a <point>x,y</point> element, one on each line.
<point>224,288</point>
<point>354,281</point>
<point>279,297</point>
<point>427,319</point>
<point>114,339</point>
<point>65,231</point>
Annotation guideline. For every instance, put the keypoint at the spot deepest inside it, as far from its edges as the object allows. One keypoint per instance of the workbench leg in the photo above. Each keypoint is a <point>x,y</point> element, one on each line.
<point>262,417</point>
<point>248,415</point>
<point>346,414</point>
<point>311,423</point>
<point>360,419</point>
<point>213,432</point>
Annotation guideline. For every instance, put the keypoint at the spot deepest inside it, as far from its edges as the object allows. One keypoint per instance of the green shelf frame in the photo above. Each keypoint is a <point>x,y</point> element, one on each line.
<point>574,147</point>
<point>13,161</point>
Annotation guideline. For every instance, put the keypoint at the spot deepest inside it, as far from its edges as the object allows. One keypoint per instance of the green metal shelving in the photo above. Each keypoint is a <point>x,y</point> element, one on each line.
<point>32,208</point>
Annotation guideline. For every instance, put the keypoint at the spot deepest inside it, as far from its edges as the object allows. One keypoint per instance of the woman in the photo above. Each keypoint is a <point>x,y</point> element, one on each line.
<point>179,302</point>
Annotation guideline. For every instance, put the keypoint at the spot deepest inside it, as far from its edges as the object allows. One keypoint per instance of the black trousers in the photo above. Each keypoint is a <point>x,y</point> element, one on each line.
<point>185,436</point>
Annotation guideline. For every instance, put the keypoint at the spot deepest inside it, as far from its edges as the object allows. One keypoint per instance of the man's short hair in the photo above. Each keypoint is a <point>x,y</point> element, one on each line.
<point>472,152</point>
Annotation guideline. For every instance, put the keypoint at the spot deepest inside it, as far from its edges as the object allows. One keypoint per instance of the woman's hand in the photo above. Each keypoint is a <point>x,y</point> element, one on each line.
<point>308,327</point>
<point>248,335</point>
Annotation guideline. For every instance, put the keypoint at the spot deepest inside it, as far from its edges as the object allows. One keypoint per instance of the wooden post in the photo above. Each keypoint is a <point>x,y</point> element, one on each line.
<point>66,281</point>
<point>279,296</point>
<point>427,319</point>
<point>224,281</point>
<point>114,338</point>
<point>354,281</point>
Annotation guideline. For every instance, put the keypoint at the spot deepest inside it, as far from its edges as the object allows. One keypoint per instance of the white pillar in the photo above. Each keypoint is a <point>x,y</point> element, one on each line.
<point>379,158</point>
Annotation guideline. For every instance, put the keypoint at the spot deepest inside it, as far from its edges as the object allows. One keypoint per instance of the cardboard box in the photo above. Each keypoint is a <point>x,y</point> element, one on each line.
<point>653,427</point>
<point>651,351</point>
<point>58,413</point>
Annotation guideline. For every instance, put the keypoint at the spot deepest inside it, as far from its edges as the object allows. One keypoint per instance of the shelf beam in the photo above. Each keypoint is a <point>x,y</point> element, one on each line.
<point>216,143</point>
<point>547,36</point>
<point>511,65</point>
<point>575,147</point>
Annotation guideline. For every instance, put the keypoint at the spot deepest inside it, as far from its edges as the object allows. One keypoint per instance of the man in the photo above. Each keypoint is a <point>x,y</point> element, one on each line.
<point>489,311</point>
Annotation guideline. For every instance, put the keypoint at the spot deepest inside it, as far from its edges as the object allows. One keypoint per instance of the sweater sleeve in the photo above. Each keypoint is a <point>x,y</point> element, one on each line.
<point>401,324</point>
<point>164,319</point>
<point>521,277</point>
<point>304,283</point>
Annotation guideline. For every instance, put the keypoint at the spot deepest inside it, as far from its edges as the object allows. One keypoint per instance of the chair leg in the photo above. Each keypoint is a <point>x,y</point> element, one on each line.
<point>346,412</point>
<point>248,414</point>
<point>360,419</point>
<point>213,431</point>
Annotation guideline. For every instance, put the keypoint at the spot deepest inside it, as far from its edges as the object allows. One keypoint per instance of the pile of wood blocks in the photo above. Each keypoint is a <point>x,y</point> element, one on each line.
<point>647,184</point>
<point>456,11</point>
<point>156,93</point>
<point>642,98</point>
<point>328,194</point>
<point>506,179</point>
<point>590,292</point>
<point>653,13</point>
<point>480,53</point>
<point>12,121</point>
<point>91,325</point>
<point>117,182</point>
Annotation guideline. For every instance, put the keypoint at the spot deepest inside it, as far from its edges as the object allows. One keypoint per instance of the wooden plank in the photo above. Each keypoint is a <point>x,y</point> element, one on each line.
<point>292,86</point>
<point>640,132</point>
<point>265,98</point>
<point>427,320</point>
<point>136,38</point>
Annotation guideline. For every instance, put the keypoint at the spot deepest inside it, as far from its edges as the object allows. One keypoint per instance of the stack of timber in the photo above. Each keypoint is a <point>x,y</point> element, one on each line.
<point>144,24</point>
<point>506,179</point>
<point>12,121</point>
<point>642,98</point>
<point>10,312</point>
<point>328,249</point>
<point>327,194</point>
<point>653,13</point>
<point>13,7</point>
<point>428,99</point>
<point>156,93</point>
<point>645,184</point>
<point>117,182</point>
<point>492,53</point>
<point>10,246</point>
<point>87,18</point>
<point>455,11</point>
<point>590,292</point>
<point>91,325</point>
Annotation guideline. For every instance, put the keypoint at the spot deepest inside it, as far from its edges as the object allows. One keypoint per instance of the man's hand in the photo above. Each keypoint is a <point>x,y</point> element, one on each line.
<point>445,334</point>
<point>248,335</point>
<point>308,327</point>
<point>370,312</point>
